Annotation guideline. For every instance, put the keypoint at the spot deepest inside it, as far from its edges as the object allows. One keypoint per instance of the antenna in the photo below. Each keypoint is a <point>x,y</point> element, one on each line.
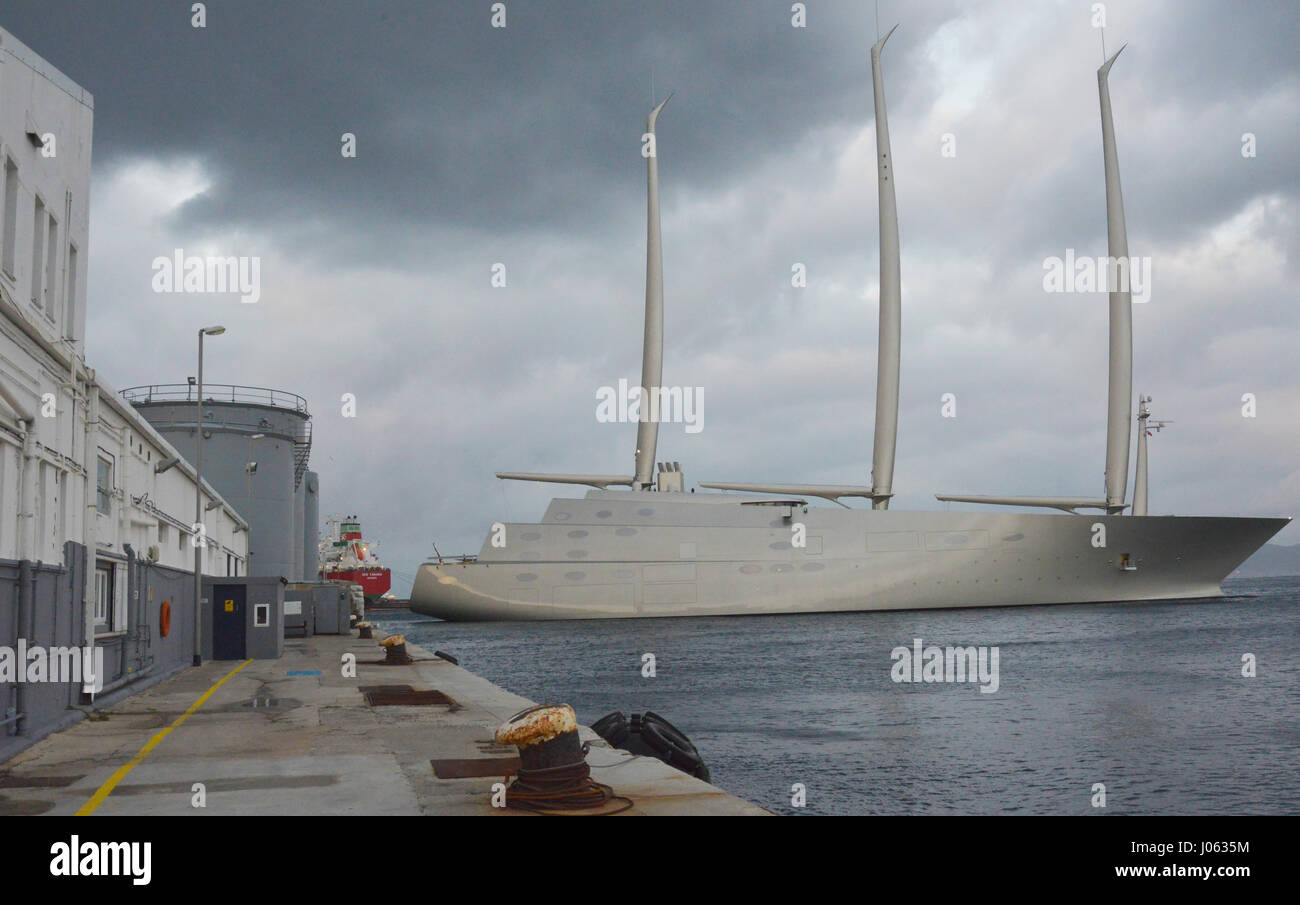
<point>1140,475</point>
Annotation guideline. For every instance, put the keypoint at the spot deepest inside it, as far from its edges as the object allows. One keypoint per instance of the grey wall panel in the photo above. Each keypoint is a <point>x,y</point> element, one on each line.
<point>51,617</point>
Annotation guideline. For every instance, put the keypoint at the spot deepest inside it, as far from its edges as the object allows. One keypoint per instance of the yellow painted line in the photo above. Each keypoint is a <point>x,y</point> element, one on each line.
<point>98,798</point>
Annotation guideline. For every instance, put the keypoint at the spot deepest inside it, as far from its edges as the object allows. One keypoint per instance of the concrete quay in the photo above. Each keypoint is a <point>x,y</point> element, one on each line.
<point>294,736</point>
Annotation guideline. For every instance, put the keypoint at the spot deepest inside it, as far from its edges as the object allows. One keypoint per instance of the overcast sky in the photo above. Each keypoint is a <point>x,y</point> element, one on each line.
<point>478,145</point>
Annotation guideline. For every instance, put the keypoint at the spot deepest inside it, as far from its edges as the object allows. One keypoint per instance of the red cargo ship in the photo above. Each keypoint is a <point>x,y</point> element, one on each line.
<point>349,558</point>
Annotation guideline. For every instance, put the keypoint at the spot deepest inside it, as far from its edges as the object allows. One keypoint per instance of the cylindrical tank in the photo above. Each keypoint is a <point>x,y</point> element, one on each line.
<point>255,447</point>
<point>311,527</point>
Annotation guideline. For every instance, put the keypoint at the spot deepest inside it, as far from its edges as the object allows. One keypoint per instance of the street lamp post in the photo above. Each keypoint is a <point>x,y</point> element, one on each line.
<point>199,538</point>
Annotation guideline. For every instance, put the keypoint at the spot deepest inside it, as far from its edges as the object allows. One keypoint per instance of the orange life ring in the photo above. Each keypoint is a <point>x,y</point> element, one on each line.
<point>165,618</point>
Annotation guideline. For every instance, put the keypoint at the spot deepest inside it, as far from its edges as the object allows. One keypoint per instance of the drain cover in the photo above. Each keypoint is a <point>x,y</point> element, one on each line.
<point>403,696</point>
<point>471,767</point>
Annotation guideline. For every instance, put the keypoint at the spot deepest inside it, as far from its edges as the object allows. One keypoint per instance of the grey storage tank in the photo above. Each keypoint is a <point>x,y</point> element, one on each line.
<point>256,443</point>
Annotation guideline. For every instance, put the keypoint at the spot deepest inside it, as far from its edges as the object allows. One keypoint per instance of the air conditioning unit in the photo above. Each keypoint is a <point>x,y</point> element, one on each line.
<point>154,553</point>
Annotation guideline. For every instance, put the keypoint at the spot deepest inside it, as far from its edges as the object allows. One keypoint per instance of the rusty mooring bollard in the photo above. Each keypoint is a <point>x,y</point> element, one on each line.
<point>546,736</point>
<point>366,629</point>
<point>395,650</point>
<point>553,773</point>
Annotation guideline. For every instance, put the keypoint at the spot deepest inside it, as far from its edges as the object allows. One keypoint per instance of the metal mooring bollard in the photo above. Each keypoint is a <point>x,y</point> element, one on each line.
<point>546,736</point>
<point>553,773</point>
<point>366,629</point>
<point>395,650</point>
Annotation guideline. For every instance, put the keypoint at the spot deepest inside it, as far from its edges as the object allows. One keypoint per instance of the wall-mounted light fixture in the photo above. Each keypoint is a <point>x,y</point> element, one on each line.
<point>166,464</point>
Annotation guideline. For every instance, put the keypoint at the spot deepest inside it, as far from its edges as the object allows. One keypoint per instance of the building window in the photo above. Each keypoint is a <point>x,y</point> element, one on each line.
<point>104,486</point>
<point>103,597</point>
<point>38,252</point>
<point>70,295</point>
<point>52,269</point>
<point>9,237</point>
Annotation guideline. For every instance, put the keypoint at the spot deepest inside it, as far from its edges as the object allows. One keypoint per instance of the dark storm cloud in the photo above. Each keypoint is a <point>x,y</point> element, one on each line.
<point>532,126</point>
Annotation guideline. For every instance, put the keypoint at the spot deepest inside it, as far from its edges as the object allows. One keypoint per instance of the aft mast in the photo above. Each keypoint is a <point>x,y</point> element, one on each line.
<point>652,354</point>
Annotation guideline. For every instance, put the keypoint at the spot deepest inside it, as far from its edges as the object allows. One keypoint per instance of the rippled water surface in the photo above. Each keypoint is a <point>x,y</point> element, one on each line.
<point>1146,698</point>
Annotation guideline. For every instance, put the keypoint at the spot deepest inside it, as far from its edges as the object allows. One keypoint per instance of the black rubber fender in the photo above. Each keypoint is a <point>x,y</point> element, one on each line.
<point>671,744</point>
<point>613,728</point>
<point>650,735</point>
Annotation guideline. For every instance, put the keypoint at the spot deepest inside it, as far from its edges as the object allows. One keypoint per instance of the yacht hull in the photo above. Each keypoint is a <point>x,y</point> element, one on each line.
<point>636,554</point>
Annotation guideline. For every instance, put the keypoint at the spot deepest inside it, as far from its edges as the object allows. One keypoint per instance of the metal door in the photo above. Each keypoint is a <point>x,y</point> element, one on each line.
<point>229,632</point>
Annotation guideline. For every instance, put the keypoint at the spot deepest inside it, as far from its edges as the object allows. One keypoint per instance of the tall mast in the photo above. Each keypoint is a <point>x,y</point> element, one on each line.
<point>1119,407</point>
<point>891,304</point>
<point>652,355</point>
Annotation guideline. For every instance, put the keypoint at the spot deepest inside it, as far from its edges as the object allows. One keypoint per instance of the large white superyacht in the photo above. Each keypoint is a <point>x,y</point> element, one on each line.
<point>656,550</point>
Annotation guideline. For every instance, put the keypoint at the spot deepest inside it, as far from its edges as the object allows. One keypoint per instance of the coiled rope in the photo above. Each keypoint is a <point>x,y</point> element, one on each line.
<point>565,788</point>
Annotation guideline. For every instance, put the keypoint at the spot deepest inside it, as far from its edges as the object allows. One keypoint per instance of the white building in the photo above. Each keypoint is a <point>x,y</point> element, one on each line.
<point>77,464</point>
